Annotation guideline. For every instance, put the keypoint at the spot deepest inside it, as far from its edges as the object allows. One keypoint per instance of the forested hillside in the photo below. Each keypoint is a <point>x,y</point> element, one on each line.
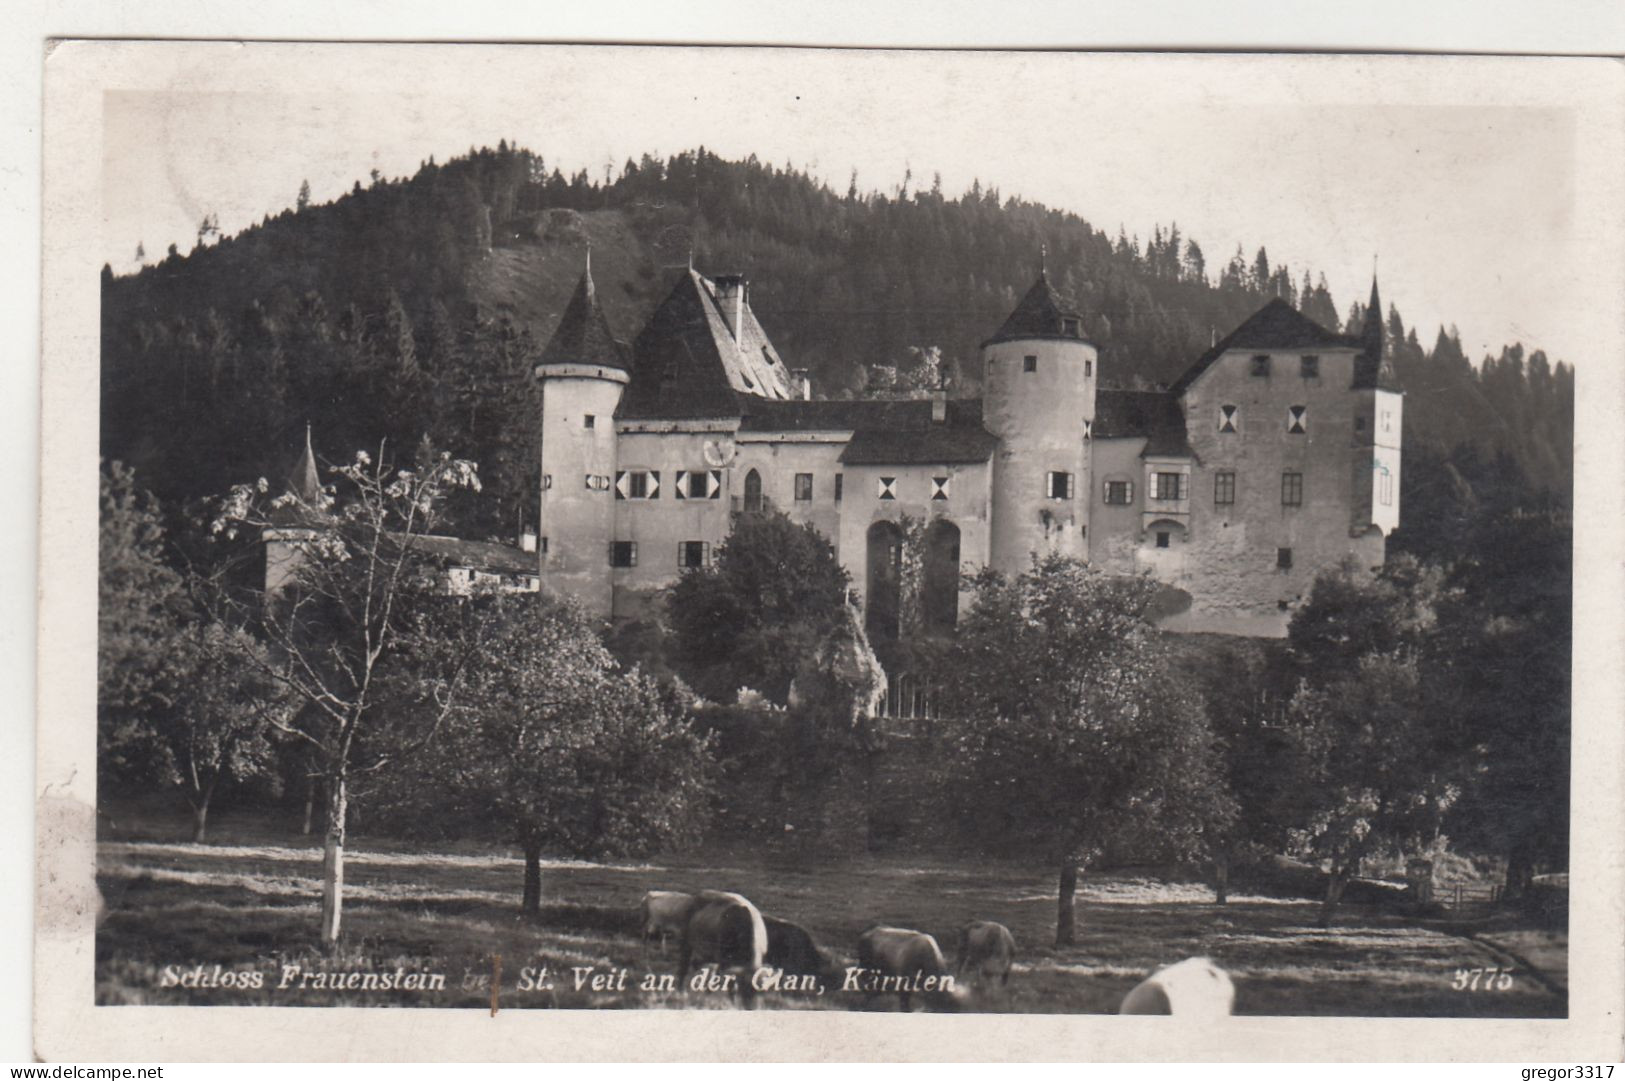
<point>414,307</point>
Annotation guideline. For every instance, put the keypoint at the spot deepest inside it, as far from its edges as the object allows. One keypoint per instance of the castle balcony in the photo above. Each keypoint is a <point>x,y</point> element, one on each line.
<point>745,504</point>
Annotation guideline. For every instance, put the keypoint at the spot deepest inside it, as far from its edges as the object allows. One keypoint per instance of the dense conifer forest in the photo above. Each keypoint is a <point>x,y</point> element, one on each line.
<point>413,308</point>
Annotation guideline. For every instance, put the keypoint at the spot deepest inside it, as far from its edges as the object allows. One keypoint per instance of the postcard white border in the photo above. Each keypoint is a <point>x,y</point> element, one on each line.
<point>68,1027</point>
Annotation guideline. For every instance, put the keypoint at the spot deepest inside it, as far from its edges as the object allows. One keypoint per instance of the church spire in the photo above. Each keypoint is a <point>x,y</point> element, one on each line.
<point>302,481</point>
<point>1371,331</point>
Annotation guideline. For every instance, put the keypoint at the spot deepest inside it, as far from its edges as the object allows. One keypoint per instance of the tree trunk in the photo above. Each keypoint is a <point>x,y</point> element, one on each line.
<point>1066,922</point>
<point>200,821</point>
<point>1520,873</point>
<point>532,903</point>
<point>1221,876</point>
<point>1335,882</point>
<point>310,804</point>
<point>333,863</point>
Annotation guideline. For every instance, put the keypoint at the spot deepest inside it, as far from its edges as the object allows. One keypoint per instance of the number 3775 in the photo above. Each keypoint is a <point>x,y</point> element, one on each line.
<point>1482,979</point>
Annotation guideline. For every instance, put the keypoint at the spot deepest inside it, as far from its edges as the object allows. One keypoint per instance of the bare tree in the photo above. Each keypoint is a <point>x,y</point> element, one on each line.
<point>346,618</point>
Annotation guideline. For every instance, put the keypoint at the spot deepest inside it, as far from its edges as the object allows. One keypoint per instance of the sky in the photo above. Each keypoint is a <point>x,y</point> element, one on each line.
<point>1456,177</point>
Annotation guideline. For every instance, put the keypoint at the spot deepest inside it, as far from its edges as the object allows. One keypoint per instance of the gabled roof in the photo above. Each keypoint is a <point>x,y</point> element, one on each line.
<point>1039,314</point>
<point>760,415</point>
<point>1277,325</point>
<point>687,362</point>
<point>478,555</point>
<point>1153,414</point>
<point>884,432</point>
<point>583,335</point>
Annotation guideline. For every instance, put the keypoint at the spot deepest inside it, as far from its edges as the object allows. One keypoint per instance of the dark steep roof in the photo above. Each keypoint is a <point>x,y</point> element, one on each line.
<point>1372,368</point>
<point>1277,325</point>
<point>583,335</point>
<point>303,482</point>
<point>1153,414</point>
<point>688,363</point>
<point>1039,314</point>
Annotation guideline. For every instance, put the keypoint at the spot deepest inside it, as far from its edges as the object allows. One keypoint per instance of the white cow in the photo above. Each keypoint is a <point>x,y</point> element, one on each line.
<point>1194,988</point>
<point>664,912</point>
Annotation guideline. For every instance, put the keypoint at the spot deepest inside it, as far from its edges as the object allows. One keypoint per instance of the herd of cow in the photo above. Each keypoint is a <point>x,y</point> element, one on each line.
<point>750,952</point>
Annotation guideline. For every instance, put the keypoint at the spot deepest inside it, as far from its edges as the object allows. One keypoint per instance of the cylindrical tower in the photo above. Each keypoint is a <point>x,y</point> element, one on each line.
<point>582,372</point>
<point>1038,398</point>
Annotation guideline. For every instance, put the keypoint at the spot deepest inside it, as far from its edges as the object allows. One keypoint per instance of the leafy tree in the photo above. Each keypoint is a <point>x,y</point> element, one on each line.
<point>1074,728</point>
<point>219,723</point>
<point>141,602</point>
<point>351,637</point>
<point>773,591</point>
<point>1372,722</point>
<point>554,747</point>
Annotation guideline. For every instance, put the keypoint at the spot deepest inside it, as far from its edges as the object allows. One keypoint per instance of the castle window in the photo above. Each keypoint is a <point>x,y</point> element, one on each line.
<point>753,492</point>
<point>1162,538</point>
<point>1029,364</point>
<point>547,481</point>
<point>1309,367</point>
<point>693,554</point>
<point>939,488</point>
<point>1359,424</point>
<point>1291,489</point>
<point>1261,364</point>
<point>1385,488</point>
<point>1387,421</point>
<point>1167,486</point>
<point>637,484</point>
<point>597,482</point>
<point>1297,419</point>
<point>1227,417</point>
<point>1224,488</point>
<point>1283,558</point>
<point>839,477</point>
<point>804,485</point>
<point>589,421</point>
<point>1120,492</point>
<point>1088,429</point>
<point>1069,327</point>
<point>886,488</point>
<point>1088,367</point>
<point>1059,486</point>
<point>623,553</point>
<point>544,546</point>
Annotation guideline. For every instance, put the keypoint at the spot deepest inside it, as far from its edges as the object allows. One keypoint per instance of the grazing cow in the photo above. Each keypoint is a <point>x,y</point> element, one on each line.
<point>1193,988</point>
<point>664,912</point>
<point>791,949</point>
<point>895,960</point>
<point>726,930</point>
<point>985,952</point>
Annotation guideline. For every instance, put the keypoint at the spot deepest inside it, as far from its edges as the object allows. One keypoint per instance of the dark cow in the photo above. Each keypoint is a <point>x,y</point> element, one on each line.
<point>663,913</point>
<point>1194,988</point>
<point>986,950</point>
<point>725,930</point>
<point>896,960</point>
<point>791,949</point>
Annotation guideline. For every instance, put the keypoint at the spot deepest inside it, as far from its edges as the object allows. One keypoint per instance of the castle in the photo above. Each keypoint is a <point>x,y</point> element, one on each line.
<point>1275,456</point>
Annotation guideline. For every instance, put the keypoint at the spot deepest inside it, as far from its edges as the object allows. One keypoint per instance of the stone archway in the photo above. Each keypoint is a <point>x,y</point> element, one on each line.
<point>882,607</point>
<point>939,578</point>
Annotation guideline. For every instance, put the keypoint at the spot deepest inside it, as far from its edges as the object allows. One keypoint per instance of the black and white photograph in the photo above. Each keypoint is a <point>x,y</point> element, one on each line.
<point>589,528</point>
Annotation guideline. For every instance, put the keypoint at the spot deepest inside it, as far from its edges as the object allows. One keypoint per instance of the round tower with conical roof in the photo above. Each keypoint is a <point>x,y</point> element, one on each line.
<point>582,372</point>
<point>1038,398</point>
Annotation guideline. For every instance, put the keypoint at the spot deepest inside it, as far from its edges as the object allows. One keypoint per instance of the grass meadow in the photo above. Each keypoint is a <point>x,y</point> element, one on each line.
<point>248,901</point>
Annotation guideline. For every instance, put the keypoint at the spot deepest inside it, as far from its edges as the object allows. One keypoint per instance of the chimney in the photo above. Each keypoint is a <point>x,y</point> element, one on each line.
<point>939,405</point>
<point>731,289</point>
<point>801,379</point>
